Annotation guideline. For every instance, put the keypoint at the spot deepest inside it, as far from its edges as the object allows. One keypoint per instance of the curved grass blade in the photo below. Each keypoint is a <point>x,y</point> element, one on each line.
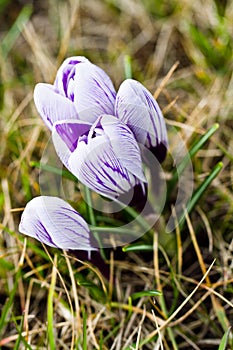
<point>12,35</point>
<point>138,247</point>
<point>224,341</point>
<point>198,144</point>
<point>192,152</point>
<point>54,170</point>
<point>146,293</point>
<point>205,184</point>
<point>200,190</point>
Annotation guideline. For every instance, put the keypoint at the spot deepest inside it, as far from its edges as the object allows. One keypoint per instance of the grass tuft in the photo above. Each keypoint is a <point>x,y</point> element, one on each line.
<point>165,290</point>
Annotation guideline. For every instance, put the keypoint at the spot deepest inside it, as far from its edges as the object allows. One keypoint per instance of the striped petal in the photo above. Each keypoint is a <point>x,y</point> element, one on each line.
<point>124,145</point>
<point>95,163</point>
<point>70,131</point>
<point>54,222</point>
<point>65,75</point>
<point>136,107</point>
<point>52,106</point>
<point>94,93</point>
<point>65,136</point>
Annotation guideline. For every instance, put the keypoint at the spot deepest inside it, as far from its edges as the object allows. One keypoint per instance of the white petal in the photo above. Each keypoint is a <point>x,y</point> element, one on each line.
<point>52,106</point>
<point>65,136</point>
<point>136,107</point>
<point>94,93</point>
<point>65,71</point>
<point>96,165</point>
<point>124,145</point>
<point>54,222</point>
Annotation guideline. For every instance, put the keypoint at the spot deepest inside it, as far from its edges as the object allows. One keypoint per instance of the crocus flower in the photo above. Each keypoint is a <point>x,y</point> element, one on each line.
<point>55,223</point>
<point>80,86</point>
<point>83,91</point>
<point>104,156</point>
<point>136,107</point>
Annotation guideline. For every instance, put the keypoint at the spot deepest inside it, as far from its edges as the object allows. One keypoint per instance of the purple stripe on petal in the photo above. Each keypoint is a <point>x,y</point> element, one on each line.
<point>96,165</point>
<point>66,73</point>
<point>94,92</point>
<point>124,145</point>
<point>129,110</point>
<point>136,107</point>
<point>52,106</point>
<point>99,180</point>
<point>61,148</point>
<point>41,232</point>
<point>54,222</point>
<point>70,131</point>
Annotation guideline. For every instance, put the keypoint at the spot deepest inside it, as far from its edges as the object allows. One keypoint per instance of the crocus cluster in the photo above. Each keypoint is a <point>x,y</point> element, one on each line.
<point>98,134</point>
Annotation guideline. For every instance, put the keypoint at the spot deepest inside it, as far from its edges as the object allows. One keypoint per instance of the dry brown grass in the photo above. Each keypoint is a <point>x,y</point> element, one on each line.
<point>195,270</point>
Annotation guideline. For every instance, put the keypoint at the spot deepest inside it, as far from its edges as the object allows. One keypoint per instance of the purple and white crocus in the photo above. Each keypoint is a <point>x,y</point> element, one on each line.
<point>104,156</point>
<point>96,133</point>
<point>83,91</point>
<point>55,223</point>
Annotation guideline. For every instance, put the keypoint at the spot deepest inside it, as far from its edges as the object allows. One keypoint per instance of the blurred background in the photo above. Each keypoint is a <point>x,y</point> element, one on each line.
<point>192,40</point>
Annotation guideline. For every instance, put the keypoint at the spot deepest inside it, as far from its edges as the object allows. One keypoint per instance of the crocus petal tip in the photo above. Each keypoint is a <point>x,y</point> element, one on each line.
<point>54,222</point>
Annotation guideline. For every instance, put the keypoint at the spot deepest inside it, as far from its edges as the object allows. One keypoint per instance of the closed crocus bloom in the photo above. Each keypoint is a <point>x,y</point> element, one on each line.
<point>81,91</point>
<point>137,108</point>
<point>105,157</point>
<point>55,223</point>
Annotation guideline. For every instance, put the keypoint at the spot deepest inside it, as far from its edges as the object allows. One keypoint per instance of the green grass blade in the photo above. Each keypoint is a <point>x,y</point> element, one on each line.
<point>192,152</point>
<point>146,293</point>
<point>118,230</point>
<point>138,218</point>
<point>51,339</point>
<point>84,328</point>
<point>54,170</point>
<point>18,341</point>
<point>26,184</point>
<point>91,214</point>
<point>12,35</point>
<point>7,306</point>
<point>3,4</point>
<point>128,67</point>
<point>95,291</point>
<point>21,338</point>
<point>224,341</point>
<point>113,332</point>
<point>205,184</point>
<point>200,143</point>
<point>138,247</point>
<point>37,249</point>
<point>201,189</point>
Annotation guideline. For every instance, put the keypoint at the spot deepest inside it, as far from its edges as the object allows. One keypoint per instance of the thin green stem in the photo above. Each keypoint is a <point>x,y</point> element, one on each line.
<point>112,230</point>
<point>128,67</point>
<point>92,219</point>
<point>52,343</point>
<point>89,206</point>
<point>137,216</point>
<point>84,328</point>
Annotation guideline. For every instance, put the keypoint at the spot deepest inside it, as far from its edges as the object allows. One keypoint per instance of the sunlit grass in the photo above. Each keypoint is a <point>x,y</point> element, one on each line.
<point>165,291</point>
